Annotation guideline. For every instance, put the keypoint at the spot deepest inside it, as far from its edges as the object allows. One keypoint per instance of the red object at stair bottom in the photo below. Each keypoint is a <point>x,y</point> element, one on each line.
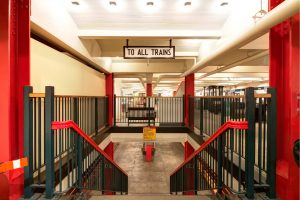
<point>148,152</point>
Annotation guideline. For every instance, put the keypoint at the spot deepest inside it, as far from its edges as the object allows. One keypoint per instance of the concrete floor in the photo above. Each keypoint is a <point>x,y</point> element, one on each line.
<point>148,177</point>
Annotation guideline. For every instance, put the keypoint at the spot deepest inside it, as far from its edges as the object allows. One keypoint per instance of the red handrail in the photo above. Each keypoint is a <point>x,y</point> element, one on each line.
<point>223,128</point>
<point>73,125</point>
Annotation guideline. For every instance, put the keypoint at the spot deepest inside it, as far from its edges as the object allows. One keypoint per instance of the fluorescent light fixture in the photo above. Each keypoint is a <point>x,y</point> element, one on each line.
<point>148,6</point>
<point>113,5</point>
<point>188,3</point>
<point>186,6</point>
<point>150,3</point>
<point>75,5</point>
<point>224,3</point>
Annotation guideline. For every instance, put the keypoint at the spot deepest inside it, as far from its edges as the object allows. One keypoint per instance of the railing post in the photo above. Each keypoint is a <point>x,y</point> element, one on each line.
<point>250,142</point>
<point>148,111</point>
<point>271,144</point>
<point>183,106</point>
<point>79,161</point>
<point>115,109</point>
<point>96,116</point>
<point>28,171</point>
<point>191,106</point>
<point>201,115</point>
<point>79,142</point>
<point>195,175</point>
<point>220,148</point>
<point>49,140</point>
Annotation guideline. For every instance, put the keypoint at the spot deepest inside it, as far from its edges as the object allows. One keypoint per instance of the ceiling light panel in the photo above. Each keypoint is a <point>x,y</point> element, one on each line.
<point>75,5</point>
<point>187,6</point>
<point>149,6</point>
<point>113,5</point>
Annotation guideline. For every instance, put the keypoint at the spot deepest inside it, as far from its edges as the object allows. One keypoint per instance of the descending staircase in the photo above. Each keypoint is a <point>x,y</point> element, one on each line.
<point>219,166</point>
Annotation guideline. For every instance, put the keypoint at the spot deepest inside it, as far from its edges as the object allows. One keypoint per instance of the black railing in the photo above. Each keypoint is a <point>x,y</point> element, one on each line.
<point>89,112</point>
<point>208,113</point>
<point>157,111</point>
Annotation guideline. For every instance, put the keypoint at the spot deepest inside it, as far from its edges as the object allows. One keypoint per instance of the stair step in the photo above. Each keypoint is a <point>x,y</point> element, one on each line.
<point>151,197</point>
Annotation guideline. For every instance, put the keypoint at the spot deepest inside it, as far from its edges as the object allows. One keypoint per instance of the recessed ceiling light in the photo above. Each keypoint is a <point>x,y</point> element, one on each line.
<point>150,3</point>
<point>224,3</point>
<point>149,6</point>
<point>187,3</point>
<point>113,3</point>
<point>76,3</point>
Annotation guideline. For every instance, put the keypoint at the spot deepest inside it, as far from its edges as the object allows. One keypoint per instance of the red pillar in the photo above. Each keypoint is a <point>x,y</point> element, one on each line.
<point>189,171</point>
<point>149,90</point>
<point>189,89</point>
<point>188,150</point>
<point>14,74</point>
<point>284,76</point>
<point>109,85</point>
<point>109,150</point>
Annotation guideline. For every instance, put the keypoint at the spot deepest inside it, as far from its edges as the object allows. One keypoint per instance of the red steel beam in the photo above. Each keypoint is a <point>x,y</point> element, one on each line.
<point>284,77</point>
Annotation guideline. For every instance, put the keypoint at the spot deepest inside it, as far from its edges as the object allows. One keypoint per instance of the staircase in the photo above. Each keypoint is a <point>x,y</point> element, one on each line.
<point>219,166</point>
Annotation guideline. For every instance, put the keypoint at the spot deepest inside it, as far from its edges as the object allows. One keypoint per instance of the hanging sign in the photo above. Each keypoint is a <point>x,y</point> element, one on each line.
<point>149,52</point>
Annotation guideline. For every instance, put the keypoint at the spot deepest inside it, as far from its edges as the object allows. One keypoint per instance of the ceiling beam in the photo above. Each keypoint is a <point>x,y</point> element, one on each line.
<point>279,14</point>
<point>250,58</point>
<point>157,34</point>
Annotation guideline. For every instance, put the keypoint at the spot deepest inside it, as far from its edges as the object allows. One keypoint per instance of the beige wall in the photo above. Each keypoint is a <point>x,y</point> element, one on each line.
<point>69,76</point>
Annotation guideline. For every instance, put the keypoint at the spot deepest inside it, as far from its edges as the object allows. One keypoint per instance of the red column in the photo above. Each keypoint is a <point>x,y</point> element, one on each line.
<point>189,169</point>
<point>189,91</point>
<point>109,85</point>
<point>188,150</point>
<point>109,150</point>
<point>14,74</point>
<point>284,76</point>
<point>149,90</point>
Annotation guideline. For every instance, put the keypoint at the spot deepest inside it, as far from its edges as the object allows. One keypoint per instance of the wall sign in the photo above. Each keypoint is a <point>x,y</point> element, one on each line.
<point>149,52</point>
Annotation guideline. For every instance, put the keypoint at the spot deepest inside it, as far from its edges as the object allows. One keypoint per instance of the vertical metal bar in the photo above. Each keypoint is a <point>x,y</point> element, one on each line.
<point>96,116</point>
<point>271,145</point>
<point>250,142</point>
<point>49,115</point>
<point>115,108</point>
<point>28,171</point>
<point>183,109</point>
<point>39,139</point>
<point>148,110</point>
<point>259,156</point>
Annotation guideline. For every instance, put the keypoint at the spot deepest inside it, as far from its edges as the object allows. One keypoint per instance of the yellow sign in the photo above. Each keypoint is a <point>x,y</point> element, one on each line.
<point>149,133</point>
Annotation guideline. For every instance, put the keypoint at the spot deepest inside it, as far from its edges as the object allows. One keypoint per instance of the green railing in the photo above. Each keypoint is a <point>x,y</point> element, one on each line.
<point>85,164</point>
<point>40,109</point>
<point>254,149</point>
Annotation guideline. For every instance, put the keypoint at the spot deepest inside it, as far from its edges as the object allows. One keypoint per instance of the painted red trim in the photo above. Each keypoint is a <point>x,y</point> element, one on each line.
<point>221,130</point>
<point>73,125</point>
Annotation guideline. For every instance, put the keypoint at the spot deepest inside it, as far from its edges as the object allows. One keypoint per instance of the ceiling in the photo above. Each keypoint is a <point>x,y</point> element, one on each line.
<point>135,15</point>
<point>195,31</point>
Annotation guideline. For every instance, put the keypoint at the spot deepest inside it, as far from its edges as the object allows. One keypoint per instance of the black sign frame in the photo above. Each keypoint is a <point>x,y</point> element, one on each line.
<point>124,47</point>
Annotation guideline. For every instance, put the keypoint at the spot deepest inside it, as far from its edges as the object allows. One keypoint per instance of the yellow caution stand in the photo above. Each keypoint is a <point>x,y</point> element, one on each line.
<point>149,137</point>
